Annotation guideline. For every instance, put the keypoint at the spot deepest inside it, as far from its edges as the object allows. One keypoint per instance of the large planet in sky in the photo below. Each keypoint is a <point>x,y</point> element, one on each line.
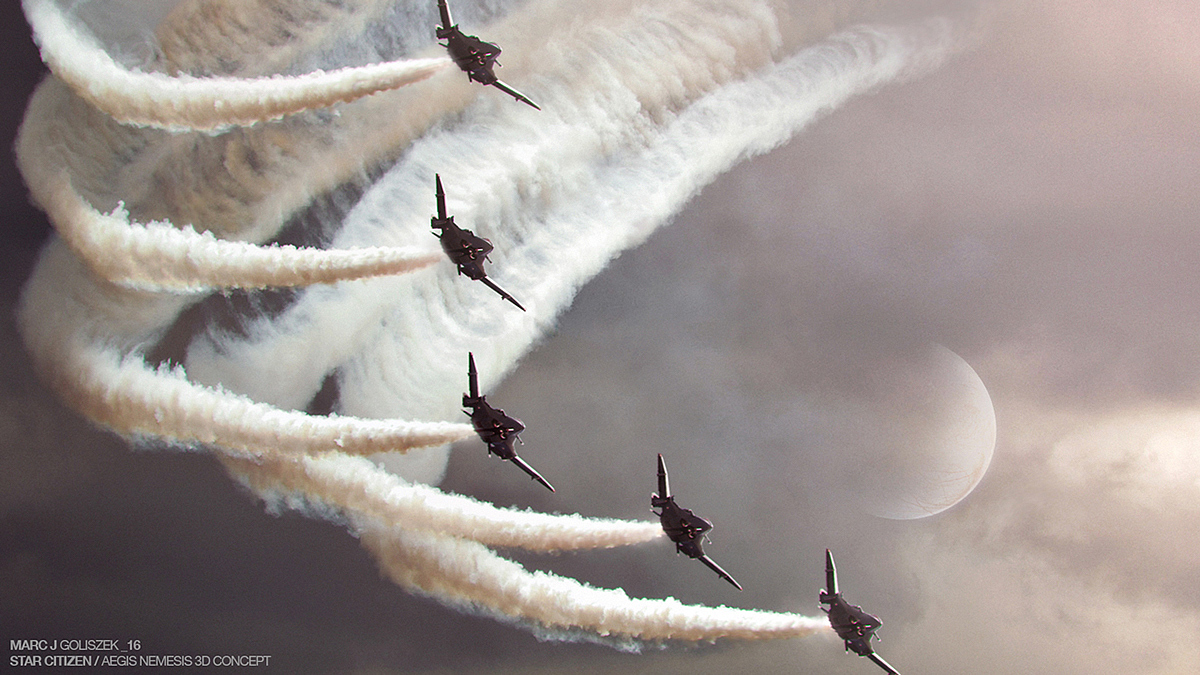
<point>915,437</point>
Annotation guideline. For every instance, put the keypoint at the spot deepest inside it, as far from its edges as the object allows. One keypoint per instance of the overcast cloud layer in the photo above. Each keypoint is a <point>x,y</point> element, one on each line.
<point>1030,206</point>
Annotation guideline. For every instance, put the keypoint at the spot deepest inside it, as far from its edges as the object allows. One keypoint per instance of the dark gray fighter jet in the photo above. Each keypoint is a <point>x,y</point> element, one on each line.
<point>682,526</point>
<point>474,56</point>
<point>494,427</point>
<point>850,622</point>
<point>467,251</point>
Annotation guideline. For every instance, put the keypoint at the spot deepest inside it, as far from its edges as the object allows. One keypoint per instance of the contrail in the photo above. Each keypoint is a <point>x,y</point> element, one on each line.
<point>608,85</point>
<point>86,336</point>
<point>614,202</point>
<point>469,575</point>
<point>582,209</point>
<point>185,103</point>
<point>122,393</point>
<point>359,486</point>
<point>644,104</point>
<point>243,37</point>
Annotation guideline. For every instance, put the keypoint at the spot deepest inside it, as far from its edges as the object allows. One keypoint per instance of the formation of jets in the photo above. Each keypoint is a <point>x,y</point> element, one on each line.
<point>500,432</point>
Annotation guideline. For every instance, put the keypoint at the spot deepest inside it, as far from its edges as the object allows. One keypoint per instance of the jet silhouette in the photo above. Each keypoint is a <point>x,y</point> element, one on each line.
<point>682,526</point>
<point>495,428</point>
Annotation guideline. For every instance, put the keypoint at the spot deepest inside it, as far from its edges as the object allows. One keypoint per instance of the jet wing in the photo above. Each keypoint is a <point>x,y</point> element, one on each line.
<point>503,293</point>
<point>444,9</point>
<point>499,84</point>
<point>720,572</point>
<point>532,473</point>
<point>882,664</point>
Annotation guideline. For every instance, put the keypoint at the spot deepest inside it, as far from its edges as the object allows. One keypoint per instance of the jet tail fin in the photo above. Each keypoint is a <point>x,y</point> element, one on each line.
<point>882,664</point>
<point>503,293</point>
<point>720,572</point>
<point>441,198</point>
<point>532,473</point>
<point>664,489</point>
<point>447,22</point>
<point>499,84</point>
<point>831,586</point>
<point>472,375</point>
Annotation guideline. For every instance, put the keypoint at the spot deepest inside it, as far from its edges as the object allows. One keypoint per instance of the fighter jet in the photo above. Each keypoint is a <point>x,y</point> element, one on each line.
<point>474,56</point>
<point>494,427</point>
<point>682,526</point>
<point>850,622</point>
<point>467,251</point>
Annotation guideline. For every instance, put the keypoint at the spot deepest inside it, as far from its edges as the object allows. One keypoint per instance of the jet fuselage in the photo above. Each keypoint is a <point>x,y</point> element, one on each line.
<point>854,626</point>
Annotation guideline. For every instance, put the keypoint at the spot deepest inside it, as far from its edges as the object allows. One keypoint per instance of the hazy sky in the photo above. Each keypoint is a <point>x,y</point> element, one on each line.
<point>1029,205</point>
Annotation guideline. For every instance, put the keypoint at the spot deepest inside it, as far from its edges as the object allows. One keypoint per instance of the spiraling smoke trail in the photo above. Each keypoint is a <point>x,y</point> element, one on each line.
<point>161,257</point>
<point>359,486</point>
<point>185,103</point>
<point>242,38</point>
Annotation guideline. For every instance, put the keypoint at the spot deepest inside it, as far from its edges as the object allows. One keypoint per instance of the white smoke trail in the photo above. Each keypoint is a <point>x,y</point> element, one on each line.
<point>122,393</point>
<point>241,185</point>
<point>641,113</point>
<point>161,257</point>
<point>359,486</point>
<point>185,103</point>
<point>86,335</point>
<point>469,575</point>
